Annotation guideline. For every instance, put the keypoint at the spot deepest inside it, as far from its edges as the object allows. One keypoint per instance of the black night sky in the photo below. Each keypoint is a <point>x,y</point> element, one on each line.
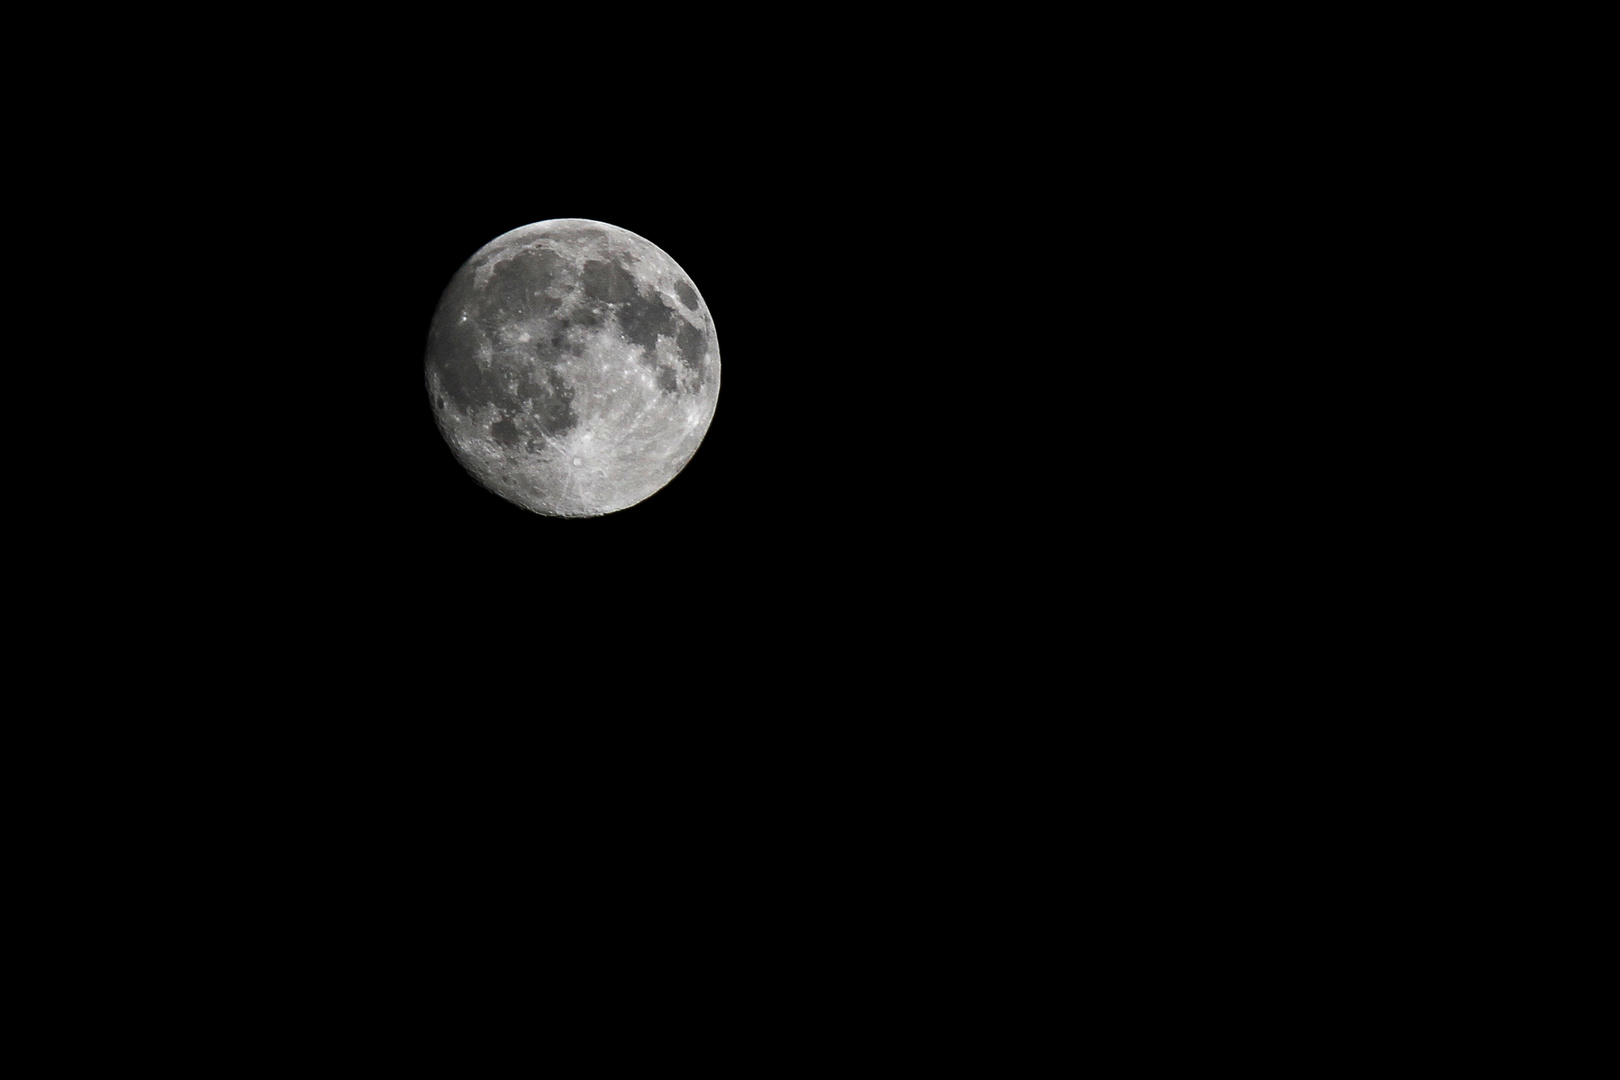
<point>872,249</point>
<point>819,474</point>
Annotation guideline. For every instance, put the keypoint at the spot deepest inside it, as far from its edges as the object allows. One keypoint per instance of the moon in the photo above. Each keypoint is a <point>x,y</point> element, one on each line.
<point>572,367</point>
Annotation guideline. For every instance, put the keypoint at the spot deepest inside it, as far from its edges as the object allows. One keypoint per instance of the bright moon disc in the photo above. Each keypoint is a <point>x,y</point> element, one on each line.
<point>572,367</point>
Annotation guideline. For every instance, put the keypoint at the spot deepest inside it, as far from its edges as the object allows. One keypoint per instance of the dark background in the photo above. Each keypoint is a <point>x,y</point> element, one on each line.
<point>999,317</point>
<point>981,312</point>
<point>869,257</point>
<point>989,326</point>
<point>329,574</point>
<point>969,497</point>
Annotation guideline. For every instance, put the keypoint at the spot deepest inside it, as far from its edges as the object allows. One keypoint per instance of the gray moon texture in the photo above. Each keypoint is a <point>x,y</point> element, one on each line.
<point>572,367</point>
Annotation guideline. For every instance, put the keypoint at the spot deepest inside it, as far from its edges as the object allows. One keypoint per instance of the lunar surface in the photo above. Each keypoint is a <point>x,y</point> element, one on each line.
<point>572,367</point>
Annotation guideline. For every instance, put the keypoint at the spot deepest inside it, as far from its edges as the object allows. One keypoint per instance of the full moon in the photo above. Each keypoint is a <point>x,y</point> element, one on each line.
<point>572,367</point>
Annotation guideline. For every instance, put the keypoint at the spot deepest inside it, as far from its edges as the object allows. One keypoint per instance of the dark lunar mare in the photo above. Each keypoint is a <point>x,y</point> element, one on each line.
<point>516,288</point>
<point>515,291</point>
<point>647,317</point>
<point>687,294</point>
<point>607,281</point>
<point>464,380</point>
<point>504,432</point>
<point>692,343</point>
<point>644,319</point>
